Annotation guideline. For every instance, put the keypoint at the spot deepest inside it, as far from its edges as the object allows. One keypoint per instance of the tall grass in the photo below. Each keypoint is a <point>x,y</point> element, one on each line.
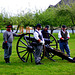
<point>17,67</point>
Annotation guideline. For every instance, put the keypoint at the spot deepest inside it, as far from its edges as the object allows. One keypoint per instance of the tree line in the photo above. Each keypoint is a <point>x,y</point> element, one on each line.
<point>55,17</point>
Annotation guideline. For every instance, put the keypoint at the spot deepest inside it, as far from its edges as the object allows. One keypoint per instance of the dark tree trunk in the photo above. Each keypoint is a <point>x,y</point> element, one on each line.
<point>51,28</point>
<point>73,25</point>
<point>72,30</point>
<point>52,31</point>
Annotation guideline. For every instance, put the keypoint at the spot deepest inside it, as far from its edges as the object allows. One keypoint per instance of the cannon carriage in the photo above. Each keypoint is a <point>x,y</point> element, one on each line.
<point>25,48</point>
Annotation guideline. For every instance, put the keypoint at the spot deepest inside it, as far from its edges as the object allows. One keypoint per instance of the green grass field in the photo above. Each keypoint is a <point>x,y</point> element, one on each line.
<point>17,67</point>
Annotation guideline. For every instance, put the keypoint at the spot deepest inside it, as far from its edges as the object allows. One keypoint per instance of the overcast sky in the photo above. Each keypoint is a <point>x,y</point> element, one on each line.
<point>14,7</point>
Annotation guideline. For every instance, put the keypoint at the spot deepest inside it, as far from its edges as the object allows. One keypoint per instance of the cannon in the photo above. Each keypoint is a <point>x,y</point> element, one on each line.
<point>25,48</point>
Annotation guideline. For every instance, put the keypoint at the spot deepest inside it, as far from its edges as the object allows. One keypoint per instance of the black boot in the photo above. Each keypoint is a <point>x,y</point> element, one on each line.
<point>39,63</point>
<point>6,60</point>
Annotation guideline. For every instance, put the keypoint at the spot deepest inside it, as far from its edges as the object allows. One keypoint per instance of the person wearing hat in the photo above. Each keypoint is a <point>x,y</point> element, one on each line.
<point>45,32</point>
<point>40,42</point>
<point>46,37</point>
<point>64,36</point>
<point>8,39</point>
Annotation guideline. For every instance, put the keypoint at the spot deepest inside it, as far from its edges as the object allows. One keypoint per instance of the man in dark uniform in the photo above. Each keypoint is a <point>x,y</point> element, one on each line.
<point>46,37</point>
<point>8,39</point>
<point>40,42</point>
<point>63,43</point>
<point>45,32</point>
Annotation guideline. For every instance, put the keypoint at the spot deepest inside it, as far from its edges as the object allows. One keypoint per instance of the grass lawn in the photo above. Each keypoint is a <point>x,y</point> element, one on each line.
<point>17,67</point>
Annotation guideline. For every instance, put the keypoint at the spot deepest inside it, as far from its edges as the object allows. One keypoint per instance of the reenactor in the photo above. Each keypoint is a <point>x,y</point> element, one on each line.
<point>64,36</point>
<point>8,39</point>
<point>40,42</point>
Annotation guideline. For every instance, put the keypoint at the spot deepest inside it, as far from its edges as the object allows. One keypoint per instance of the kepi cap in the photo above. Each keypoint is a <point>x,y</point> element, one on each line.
<point>38,25</point>
<point>47,26</point>
<point>63,26</point>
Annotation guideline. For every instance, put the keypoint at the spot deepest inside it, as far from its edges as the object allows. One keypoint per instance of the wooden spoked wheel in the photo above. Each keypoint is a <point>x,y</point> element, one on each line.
<point>24,50</point>
<point>54,43</point>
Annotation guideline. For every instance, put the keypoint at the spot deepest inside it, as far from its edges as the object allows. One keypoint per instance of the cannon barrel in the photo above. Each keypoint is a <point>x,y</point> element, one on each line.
<point>59,53</point>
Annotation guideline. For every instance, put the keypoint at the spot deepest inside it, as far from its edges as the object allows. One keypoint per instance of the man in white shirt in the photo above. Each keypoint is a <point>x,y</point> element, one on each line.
<point>40,42</point>
<point>63,35</point>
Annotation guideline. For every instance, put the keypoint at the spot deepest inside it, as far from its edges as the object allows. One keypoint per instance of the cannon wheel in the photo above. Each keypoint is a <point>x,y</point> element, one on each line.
<point>24,50</point>
<point>53,44</point>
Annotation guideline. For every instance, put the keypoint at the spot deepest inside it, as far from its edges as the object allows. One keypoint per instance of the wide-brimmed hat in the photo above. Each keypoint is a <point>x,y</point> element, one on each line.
<point>9,26</point>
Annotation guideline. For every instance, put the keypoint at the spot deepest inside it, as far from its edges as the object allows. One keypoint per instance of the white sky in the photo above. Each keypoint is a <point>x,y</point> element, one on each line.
<point>13,7</point>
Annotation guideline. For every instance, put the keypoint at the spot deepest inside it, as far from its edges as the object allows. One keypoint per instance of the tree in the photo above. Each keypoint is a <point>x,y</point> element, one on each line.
<point>66,15</point>
<point>1,20</point>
